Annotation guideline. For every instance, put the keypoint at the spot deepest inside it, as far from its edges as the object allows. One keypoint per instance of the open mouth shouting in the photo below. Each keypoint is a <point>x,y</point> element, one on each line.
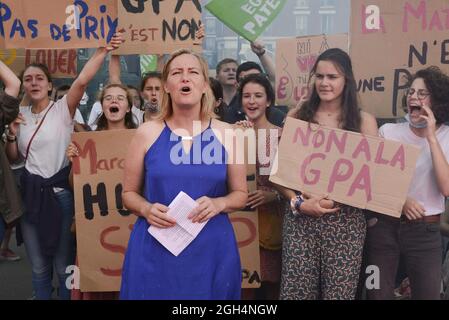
<point>186,89</point>
<point>415,110</point>
<point>114,109</point>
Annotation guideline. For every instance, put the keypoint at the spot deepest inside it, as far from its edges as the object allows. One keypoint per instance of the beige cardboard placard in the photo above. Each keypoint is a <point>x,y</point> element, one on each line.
<point>246,228</point>
<point>390,39</point>
<point>103,225</point>
<point>295,58</point>
<point>46,24</point>
<point>362,171</point>
<point>158,27</point>
<point>61,63</point>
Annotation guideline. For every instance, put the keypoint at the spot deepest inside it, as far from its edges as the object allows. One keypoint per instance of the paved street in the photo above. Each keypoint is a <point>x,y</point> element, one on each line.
<point>15,276</point>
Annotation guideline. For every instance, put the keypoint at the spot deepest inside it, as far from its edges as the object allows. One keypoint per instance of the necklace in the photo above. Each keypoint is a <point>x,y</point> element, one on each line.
<point>36,116</point>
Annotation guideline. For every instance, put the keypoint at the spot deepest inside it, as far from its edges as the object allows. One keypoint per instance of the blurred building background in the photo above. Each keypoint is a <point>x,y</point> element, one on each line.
<point>298,18</point>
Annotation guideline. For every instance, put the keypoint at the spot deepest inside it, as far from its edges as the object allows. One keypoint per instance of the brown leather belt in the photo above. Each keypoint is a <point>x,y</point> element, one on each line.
<point>428,219</point>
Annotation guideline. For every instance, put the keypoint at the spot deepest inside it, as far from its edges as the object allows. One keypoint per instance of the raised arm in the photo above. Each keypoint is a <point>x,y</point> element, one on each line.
<point>12,83</point>
<point>88,72</point>
<point>439,161</point>
<point>114,70</point>
<point>265,60</point>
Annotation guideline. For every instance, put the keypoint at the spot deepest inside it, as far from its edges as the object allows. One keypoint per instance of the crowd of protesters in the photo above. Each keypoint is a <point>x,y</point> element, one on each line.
<point>310,246</point>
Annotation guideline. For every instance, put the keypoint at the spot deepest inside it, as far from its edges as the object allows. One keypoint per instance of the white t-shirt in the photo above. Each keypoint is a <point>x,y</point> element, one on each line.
<point>137,115</point>
<point>424,187</point>
<point>78,117</point>
<point>97,110</point>
<point>95,113</point>
<point>47,151</point>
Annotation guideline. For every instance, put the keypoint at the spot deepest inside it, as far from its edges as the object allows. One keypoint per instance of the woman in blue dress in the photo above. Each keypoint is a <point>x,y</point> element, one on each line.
<point>183,151</point>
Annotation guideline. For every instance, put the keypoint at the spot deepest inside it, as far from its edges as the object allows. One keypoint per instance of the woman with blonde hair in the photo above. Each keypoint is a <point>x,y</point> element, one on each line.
<point>165,157</point>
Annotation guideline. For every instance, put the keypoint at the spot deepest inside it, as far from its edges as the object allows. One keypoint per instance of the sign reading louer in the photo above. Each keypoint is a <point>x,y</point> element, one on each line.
<point>57,24</point>
<point>61,63</point>
<point>362,171</point>
<point>248,18</point>
<point>390,40</point>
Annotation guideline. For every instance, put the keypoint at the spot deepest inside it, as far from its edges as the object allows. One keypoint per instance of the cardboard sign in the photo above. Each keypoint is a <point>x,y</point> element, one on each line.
<point>246,228</point>
<point>391,39</point>
<point>295,58</point>
<point>247,18</point>
<point>148,63</point>
<point>103,225</point>
<point>57,24</point>
<point>362,171</point>
<point>158,27</point>
<point>61,63</point>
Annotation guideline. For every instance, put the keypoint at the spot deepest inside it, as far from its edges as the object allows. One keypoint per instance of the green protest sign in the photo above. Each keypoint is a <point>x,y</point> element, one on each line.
<point>148,63</point>
<point>248,18</point>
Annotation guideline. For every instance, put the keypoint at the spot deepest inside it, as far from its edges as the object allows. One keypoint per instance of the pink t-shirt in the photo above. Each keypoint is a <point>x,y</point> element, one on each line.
<point>424,187</point>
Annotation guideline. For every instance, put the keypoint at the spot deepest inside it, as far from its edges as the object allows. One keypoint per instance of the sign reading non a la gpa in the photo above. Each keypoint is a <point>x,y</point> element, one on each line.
<point>354,169</point>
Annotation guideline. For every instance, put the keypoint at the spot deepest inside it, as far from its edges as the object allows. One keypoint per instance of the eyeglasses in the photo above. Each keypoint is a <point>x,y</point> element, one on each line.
<point>119,98</point>
<point>421,94</point>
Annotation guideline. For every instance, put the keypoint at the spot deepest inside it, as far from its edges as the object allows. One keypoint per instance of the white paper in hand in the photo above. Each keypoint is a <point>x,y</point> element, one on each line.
<point>177,238</point>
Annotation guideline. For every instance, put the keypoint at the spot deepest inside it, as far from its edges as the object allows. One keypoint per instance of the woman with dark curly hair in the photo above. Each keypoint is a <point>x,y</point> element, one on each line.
<point>416,235</point>
<point>322,244</point>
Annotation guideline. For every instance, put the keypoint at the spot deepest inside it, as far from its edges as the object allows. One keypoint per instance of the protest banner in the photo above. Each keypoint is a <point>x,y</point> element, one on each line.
<point>247,18</point>
<point>103,225</point>
<point>391,39</point>
<point>295,58</point>
<point>148,63</point>
<point>362,171</point>
<point>61,63</point>
<point>57,24</point>
<point>158,27</point>
<point>246,228</point>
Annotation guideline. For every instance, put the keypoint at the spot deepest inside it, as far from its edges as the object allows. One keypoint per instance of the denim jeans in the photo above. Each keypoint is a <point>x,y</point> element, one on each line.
<point>42,265</point>
<point>418,243</point>
<point>2,229</point>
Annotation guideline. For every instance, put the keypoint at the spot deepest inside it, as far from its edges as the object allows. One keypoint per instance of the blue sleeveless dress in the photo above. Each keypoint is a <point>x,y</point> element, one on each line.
<point>209,268</point>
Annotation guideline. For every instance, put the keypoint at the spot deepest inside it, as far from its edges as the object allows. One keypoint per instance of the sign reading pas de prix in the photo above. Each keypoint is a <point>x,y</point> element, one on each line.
<point>42,24</point>
<point>362,171</point>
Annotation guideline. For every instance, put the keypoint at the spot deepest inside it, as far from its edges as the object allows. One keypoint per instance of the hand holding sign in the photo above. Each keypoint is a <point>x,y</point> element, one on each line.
<point>314,206</point>
<point>116,41</point>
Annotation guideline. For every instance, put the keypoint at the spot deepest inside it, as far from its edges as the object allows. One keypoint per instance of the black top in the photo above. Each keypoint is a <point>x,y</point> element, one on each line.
<point>9,110</point>
<point>42,208</point>
<point>234,113</point>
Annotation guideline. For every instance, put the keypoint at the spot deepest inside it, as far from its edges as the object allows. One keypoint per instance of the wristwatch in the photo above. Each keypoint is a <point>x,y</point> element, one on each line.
<point>295,204</point>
